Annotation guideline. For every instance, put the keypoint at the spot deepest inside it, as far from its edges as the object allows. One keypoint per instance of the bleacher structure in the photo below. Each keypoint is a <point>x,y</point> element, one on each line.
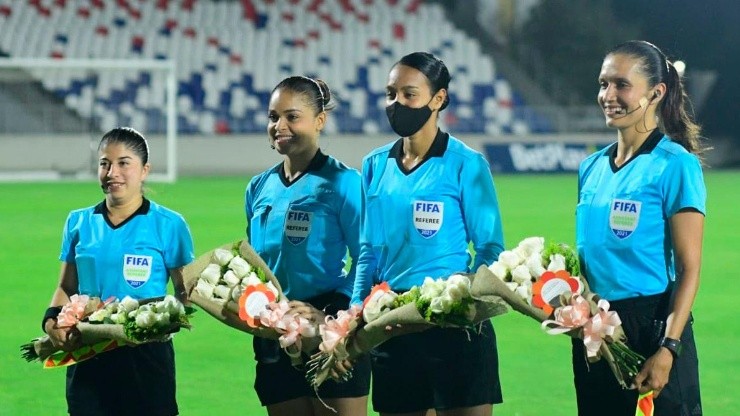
<point>230,54</point>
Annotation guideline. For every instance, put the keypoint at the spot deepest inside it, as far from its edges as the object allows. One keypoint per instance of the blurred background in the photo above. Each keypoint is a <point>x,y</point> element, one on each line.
<point>195,75</point>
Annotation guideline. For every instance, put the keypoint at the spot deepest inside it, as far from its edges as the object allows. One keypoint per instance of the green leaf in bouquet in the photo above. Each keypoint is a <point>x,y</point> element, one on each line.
<point>410,296</point>
<point>261,275</point>
<point>572,264</point>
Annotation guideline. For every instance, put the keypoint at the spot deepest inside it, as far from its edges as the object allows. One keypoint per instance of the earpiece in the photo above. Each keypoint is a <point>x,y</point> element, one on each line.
<point>656,95</point>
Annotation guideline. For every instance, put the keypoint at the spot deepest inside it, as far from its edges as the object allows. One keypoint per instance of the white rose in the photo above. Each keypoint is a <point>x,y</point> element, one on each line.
<point>531,245</point>
<point>520,274</point>
<point>499,270</point>
<point>240,266</point>
<point>512,286</point>
<point>431,288</point>
<point>463,282</point>
<point>162,319</point>
<point>222,291</point>
<point>523,292</point>
<point>557,262</point>
<point>231,279</point>
<point>222,257</point>
<point>211,274</point>
<point>204,289</point>
<point>534,264</point>
<point>171,305</point>
<point>145,319</point>
<point>237,293</point>
<point>377,305</point>
<point>441,304</point>
<point>129,304</point>
<point>251,279</point>
<point>509,259</point>
<point>146,308</point>
<point>454,292</point>
<point>100,315</point>
<point>119,318</point>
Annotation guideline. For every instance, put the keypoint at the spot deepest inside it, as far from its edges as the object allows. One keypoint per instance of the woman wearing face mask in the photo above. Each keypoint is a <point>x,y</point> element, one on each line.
<point>640,221</point>
<point>427,196</point>
<point>303,216</point>
<point>96,243</point>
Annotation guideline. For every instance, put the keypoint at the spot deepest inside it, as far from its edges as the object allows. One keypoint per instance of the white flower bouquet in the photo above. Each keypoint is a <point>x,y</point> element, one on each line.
<point>461,300</point>
<point>544,282</point>
<point>218,280</point>
<point>234,285</point>
<point>105,325</point>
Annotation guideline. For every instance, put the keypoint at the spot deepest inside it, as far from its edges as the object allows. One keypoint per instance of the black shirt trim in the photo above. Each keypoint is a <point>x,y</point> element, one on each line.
<point>437,149</point>
<point>647,147</point>
<point>101,208</point>
<point>318,162</point>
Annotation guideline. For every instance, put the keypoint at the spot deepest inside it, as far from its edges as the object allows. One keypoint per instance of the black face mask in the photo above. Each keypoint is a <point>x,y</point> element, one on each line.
<point>405,120</point>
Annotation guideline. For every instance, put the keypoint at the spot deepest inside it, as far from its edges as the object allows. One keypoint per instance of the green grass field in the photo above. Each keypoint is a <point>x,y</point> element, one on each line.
<point>214,363</point>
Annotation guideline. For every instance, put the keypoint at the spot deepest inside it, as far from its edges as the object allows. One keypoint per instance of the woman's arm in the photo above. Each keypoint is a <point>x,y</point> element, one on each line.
<point>178,284</point>
<point>63,337</point>
<point>481,212</point>
<point>687,229</point>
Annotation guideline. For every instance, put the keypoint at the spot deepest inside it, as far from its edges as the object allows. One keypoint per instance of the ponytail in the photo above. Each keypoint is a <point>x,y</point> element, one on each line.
<point>674,119</point>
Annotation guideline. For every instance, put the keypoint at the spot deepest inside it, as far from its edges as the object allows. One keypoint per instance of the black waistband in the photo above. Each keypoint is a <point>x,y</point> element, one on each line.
<point>658,303</point>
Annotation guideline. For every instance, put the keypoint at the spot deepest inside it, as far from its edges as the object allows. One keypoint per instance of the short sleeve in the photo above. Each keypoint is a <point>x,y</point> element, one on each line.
<point>179,250</point>
<point>70,237</point>
<point>684,185</point>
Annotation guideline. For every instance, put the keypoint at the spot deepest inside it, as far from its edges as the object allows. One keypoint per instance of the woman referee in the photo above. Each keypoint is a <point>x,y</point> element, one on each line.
<point>427,196</point>
<point>97,243</point>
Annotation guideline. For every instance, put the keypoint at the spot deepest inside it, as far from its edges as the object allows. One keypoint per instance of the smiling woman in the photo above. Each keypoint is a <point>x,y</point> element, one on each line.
<point>303,217</point>
<point>639,228</point>
<point>123,246</point>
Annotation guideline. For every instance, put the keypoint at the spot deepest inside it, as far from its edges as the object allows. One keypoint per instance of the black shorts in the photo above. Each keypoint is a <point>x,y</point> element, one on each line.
<point>278,381</point>
<point>124,381</point>
<point>440,368</point>
<point>643,321</point>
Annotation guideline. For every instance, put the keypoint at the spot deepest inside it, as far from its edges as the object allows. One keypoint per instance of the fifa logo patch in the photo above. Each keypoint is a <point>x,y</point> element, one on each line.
<point>297,226</point>
<point>428,217</point>
<point>624,216</point>
<point>136,269</point>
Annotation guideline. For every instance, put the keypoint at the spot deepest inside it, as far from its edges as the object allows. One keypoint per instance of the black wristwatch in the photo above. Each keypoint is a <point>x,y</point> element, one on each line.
<point>672,345</point>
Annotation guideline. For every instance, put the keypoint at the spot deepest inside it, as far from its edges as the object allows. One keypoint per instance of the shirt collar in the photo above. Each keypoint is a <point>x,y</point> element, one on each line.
<point>647,147</point>
<point>317,162</point>
<point>101,208</point>
<point>437,149</point>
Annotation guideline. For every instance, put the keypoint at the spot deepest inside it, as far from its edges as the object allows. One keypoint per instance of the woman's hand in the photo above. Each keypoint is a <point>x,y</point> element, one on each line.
<point>655,372</point>
<point>305,310</point>
<point>340,370</point>
<point>68,339</point>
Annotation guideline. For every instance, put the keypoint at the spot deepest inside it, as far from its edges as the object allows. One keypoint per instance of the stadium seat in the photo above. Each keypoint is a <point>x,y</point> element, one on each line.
<point>230,54</point>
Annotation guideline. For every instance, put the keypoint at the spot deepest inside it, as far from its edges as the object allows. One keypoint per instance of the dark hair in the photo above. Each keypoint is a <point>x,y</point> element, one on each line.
<point>433,68</point>
<point>673,118</point>
<point>315,90</point>
<point>130,138</point>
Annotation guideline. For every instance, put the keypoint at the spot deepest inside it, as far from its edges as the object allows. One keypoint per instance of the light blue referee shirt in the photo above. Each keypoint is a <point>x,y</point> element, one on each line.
<point>304,228</point>
<point>129,259</point>
<point>622,219</point>
<point>419,223</point>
